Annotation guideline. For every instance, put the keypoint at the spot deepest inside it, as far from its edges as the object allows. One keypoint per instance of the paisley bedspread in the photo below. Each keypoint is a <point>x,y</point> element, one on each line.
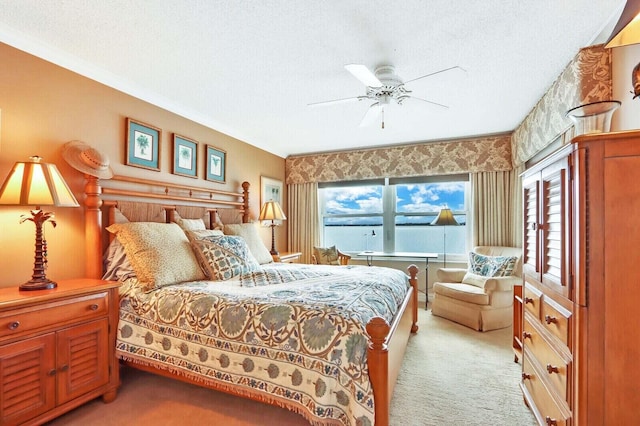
<point>289,334</point>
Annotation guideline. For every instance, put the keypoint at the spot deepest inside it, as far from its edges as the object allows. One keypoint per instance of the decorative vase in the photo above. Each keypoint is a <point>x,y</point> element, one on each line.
<point>594,117</point>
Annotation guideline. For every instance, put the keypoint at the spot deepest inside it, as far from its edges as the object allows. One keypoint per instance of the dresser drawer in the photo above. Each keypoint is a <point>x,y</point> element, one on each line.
<point>53,313</point>
<point>545,408</point>
<point>557,369</point>
<point>556,319</point>
<point>532,299</point>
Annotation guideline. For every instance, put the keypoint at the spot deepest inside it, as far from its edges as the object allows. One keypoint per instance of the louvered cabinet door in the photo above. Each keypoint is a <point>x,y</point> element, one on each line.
<point>531,236</point>
<point>554,237</point>
<point>82,364</point>
<point>27,379</point>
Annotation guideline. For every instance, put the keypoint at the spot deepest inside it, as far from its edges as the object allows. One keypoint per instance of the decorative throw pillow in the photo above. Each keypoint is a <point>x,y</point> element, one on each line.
<point>224,257</point>
<point>474,280</point>
<point>249,231</point>
<point>491,266</point>
<point>326,256</point>
<point>191,224</point>
<point>160,253</point>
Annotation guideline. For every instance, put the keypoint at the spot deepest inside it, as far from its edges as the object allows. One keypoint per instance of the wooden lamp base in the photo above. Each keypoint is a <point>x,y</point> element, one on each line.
<point>39,280</point>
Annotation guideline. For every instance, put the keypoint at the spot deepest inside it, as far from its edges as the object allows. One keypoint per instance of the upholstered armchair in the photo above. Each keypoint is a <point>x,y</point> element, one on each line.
<point>480,297</point>
<point>329,256</point>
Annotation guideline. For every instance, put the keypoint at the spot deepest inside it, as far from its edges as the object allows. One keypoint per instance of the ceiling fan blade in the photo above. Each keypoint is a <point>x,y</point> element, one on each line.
<point>437,72</point>
<point>371,115</point>
<point>363,74</point>
<point>336,101</point>
<point>429,102</point>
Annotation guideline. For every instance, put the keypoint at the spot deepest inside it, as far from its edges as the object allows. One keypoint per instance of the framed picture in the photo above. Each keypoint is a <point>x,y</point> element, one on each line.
<point>185,152</point>
<point>143,145</point>
<point>271,189</point>
<point>216,164</point>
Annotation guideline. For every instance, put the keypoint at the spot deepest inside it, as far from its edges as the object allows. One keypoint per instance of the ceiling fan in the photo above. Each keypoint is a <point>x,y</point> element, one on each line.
<point>383,88</point>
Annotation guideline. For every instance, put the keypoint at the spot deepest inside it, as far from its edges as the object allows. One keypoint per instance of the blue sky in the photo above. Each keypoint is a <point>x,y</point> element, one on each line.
<point>410,198</point>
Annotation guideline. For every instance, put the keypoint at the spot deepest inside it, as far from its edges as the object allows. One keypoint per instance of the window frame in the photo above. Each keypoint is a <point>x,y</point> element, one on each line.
<point>389,203</point>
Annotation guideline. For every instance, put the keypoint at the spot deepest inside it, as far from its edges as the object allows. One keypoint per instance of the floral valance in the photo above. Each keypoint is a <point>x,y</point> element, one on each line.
<point>586,79</point>
<point>491,153</point>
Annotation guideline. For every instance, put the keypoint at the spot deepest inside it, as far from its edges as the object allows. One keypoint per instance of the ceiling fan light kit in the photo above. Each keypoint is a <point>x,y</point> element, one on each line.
<point>384,88</point>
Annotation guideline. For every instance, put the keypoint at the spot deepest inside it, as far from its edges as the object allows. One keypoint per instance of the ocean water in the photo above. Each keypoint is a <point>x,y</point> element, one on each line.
<point>408,238</point>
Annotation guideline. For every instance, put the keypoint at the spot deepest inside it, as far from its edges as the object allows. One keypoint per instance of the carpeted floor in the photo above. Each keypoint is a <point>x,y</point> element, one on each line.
<point>451,375</point>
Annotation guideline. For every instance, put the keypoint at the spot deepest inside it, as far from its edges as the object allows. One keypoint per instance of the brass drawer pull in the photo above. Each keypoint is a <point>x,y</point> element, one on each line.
<point>528,300</point>
<point>550,421</point>
<point>64,367</point>
<point>552,369</point>
<point>526,335</point>
<point>14,325</point>
<point>94,307</point>
<point>549,319</point>
<point>52,372</point>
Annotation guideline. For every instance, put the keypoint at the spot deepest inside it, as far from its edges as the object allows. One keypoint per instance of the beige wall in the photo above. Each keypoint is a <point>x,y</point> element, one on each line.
<point>44,106</point>
<point>627,117</point>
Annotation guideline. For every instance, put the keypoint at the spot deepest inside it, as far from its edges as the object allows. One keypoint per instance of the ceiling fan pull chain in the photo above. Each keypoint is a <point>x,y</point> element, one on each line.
<point>383,118</point>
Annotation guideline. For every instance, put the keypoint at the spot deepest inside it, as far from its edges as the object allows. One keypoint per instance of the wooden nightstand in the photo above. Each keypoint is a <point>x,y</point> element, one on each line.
<point>57,349</point>
<point>287,257</point>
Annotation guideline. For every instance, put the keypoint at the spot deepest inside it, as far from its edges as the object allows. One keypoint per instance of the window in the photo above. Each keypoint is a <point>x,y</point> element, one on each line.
<point>395,214</point>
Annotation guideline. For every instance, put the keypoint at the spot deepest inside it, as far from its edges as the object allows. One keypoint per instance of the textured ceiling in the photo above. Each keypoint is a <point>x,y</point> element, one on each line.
<point>249,68</point>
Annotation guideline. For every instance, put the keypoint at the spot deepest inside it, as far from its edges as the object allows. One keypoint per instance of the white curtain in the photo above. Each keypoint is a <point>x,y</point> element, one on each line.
<point>496,208</point>
<point>304,223</point>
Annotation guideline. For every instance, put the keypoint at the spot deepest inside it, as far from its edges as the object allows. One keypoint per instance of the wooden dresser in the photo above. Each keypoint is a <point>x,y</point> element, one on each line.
<point>57,349</point>
<point>581,294</point>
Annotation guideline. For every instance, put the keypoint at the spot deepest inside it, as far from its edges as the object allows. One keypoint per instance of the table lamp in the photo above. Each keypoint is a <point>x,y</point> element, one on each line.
<point>445,218</point>
<point>272,211</point>
<point>37,184</point>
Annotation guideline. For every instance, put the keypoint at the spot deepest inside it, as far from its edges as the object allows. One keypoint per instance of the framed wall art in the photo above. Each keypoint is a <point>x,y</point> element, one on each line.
<point>271,189</point>
<point>185,153</point>
<point>216,164</point>
<point>143,145</point>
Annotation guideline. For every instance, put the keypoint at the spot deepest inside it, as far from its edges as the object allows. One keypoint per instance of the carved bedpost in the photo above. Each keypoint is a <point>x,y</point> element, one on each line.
<point>413,280</point>
<point>93,227</point>
<point>378,362</point>
<point>245,192</point>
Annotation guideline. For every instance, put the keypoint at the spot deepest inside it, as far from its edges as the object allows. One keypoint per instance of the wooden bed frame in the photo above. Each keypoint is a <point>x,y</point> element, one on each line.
<point>387,341</point>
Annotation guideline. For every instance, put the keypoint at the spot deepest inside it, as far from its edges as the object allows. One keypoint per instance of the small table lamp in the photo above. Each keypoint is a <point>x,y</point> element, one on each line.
<point>445,218</point>
<point>272,211</point>
<point>37,184</point>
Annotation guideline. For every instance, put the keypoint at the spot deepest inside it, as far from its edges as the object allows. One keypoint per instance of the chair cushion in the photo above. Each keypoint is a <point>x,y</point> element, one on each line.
<point>463,292</point>
<point>491,266</point>
<point>326,256</point>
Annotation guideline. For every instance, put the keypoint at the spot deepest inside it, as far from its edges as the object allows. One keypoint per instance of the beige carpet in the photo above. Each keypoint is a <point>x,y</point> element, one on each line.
<point>451,375</point>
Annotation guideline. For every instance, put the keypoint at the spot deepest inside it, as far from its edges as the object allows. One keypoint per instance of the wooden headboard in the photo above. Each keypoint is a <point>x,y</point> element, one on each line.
<point>147,198</point>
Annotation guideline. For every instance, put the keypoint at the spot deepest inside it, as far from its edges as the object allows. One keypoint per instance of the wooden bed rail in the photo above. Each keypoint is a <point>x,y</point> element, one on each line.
<point>192,193</point>
<point>387,345</point>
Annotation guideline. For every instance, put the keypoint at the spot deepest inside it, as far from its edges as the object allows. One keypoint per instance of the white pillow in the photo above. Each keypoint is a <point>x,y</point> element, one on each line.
<point>191,224</point>
<point>474,279</point>
<point>249,231</point>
